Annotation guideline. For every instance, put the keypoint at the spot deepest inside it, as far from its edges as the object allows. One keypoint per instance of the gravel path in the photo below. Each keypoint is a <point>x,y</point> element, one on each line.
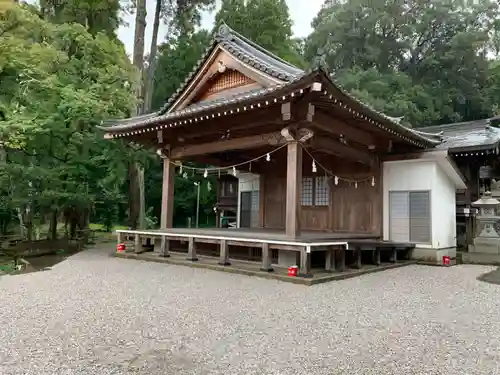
<point>97,315</point>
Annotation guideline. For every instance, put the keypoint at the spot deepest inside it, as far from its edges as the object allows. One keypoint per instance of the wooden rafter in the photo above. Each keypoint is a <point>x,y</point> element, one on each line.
<point>343,150</point>
<point>332,126</point>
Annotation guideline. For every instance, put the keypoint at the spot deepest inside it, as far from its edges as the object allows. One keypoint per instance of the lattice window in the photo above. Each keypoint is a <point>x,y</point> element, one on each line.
<point>321,191</point>
<point>315,191</point>
<point>306,198</point>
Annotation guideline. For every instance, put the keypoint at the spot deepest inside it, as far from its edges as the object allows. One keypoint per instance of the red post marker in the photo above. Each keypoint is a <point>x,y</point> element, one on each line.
<point>120,248</point>
<point>446,260</point>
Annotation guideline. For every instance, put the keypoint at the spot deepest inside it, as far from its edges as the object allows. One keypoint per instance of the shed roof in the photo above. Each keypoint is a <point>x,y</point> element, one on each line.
<point>468,136</point>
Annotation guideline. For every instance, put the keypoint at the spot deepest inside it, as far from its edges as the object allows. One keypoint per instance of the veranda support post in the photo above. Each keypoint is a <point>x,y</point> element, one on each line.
<point>293,184</point>
<point>167,197</point>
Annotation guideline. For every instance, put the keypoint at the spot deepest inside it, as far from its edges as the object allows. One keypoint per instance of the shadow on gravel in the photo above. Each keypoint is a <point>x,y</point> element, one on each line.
<point>492,277</point>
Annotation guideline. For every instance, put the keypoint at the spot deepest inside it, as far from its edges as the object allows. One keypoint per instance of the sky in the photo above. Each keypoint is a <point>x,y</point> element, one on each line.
<point>301,11</point>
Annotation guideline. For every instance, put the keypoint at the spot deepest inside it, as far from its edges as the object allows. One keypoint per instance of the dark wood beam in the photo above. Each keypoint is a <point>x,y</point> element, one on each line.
<point>343,150</point>
<point>274,139</point>
<point>232,130</point>
<point>218,162</point>
<point>329,124</point>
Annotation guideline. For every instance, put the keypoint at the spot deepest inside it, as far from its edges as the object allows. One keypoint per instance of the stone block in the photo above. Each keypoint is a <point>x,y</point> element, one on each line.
<point>486,246</point>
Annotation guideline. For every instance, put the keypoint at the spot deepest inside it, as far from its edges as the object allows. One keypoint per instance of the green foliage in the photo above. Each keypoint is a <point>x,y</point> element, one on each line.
<point>176,59</point>
<point>62,72</point>
<point>57,82</point>
<point>265,22</point>
<point>432,54</point>
<point>96,15</point>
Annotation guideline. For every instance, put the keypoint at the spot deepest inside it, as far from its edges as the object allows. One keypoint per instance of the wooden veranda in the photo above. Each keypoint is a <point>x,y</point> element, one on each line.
<point>337,250</point>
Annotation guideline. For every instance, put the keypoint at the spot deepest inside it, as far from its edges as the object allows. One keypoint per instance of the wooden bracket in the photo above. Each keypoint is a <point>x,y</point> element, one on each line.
<point>301,135</point>
<point>285,132</point>
<point>305,134</point>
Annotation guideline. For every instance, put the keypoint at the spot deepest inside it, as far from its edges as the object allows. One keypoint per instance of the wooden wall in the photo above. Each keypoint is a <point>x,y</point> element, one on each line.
<point>274,202</point>
<point>356,210</point>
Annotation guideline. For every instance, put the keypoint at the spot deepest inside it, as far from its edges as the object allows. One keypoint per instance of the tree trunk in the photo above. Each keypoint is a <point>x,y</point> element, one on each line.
<point>136,183</point>
<point>148,86</point>
<point>53,225</point>
<point>28,222</point>
<point>147,95</point>
<point>133,196</point>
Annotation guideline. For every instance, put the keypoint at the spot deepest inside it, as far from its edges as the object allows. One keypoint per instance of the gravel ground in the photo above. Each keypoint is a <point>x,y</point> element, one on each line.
<point>92,314</point>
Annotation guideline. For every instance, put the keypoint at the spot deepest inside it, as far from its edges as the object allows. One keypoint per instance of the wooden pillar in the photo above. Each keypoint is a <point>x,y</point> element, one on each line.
<point>376,257</point>
<point>341,262</point>
<point>305,264</point>
<point>266,258</point>
<point>137,243</point>
<point>329,260</point>
<point>357,258</point>
<point>293,186</point>
<point>167,196</point>
<point>119,238</point>
<point>192,250</point>
<point>224,254</point>
<point>394,256</point>
<point>165,247</point>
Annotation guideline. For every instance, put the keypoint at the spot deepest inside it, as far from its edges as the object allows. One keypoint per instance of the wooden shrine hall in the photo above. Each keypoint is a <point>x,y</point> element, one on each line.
<point>316,152</point>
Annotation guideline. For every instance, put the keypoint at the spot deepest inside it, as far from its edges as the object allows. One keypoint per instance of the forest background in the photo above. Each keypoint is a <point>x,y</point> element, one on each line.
<point>63,71</point>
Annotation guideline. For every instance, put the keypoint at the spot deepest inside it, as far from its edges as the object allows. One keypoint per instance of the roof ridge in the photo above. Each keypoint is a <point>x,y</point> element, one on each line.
<point>225,30</point>
<point>231,40</point>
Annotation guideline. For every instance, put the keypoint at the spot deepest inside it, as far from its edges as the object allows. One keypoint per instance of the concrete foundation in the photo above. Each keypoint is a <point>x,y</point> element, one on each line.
<point>433,255</point>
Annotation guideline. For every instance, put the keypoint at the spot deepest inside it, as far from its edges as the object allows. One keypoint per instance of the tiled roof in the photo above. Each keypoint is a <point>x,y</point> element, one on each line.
<point>245,50</point>
<point>222,103</point>
<point>467,136</point>
<point>156,117</point>
<point>257,57</point>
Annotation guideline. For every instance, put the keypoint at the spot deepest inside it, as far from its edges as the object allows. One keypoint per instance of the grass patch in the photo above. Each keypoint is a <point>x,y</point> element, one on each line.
<point>100,227</point>
<point>7,267</point>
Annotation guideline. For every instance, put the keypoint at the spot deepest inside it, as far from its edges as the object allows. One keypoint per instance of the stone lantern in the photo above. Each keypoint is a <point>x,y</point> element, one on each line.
<point>488,240</point>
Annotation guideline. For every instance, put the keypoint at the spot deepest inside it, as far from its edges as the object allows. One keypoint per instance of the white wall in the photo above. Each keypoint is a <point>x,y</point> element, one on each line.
<point>445,215</point>
<point>247,182</point>
<point>418,175</point>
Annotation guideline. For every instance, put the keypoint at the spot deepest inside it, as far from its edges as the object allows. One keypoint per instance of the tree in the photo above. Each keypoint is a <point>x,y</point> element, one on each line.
<point>265,22</point>
<point>439,45</point>
<point>54,91</point>
<point>95,15</point>
<point>176,59</point>
<point>136,194</point>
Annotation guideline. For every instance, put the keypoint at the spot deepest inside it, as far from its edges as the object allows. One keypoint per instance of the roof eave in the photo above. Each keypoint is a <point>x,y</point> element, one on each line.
<point>185,115</point>
<point>375,116</point>
<point>474,148</point>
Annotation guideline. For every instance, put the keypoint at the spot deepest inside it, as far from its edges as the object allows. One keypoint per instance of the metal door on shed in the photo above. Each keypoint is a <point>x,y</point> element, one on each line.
<point>410,216</point>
